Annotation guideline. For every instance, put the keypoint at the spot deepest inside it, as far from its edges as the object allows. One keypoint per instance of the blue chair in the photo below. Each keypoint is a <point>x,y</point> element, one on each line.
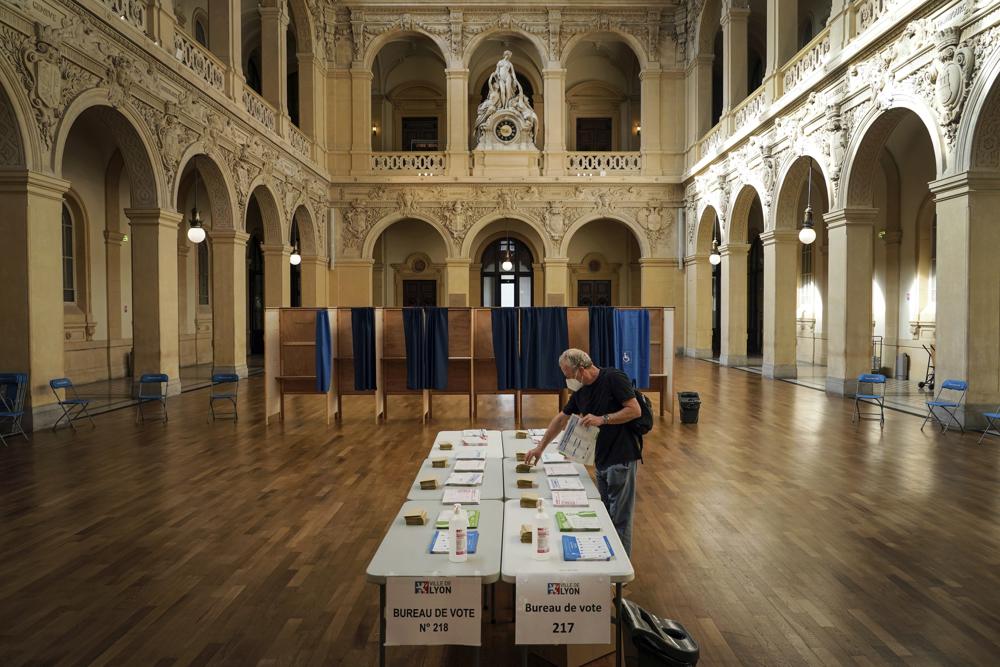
<point>225,387</point>
<point>13,391</point>
<point>991,428</point>
<point>948,404</point>
<point>72,405</point>
<point>871,391</point>
<point>152,389</point>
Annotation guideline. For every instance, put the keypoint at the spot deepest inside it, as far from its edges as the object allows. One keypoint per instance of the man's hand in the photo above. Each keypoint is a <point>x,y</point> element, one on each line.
<point>592,420</point>
<point>532,456</point>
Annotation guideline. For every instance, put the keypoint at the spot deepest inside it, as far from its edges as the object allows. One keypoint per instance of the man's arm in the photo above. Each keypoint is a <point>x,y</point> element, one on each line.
<point>557,424</point>
<point>630,410</point>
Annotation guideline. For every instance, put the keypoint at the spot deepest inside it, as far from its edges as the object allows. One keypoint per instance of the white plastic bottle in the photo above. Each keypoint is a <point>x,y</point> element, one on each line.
<point>458,535</point>
<point>542,537</point>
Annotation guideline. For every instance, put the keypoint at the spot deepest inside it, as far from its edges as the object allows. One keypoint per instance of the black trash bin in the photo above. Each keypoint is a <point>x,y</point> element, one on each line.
<point>690,404</point>
<point>658,641</point>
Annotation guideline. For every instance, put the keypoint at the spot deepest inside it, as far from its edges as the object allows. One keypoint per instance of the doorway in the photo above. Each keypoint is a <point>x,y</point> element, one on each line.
<point>419,293</point>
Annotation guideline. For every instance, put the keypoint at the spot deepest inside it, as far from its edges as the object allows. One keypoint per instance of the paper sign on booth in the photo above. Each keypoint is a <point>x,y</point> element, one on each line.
<point>563,608</point>
<point>421,611</point>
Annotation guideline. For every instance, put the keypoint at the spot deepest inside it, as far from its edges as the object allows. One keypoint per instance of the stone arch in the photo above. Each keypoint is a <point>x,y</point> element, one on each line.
<point>792,176</point>
<point>873,131</point>
<point>978,139</point>
<point>217,181</point>
<point>376,44</point>
<point>638,49</point>
<point>703,232</point>
<point>543,243</point>
<point>270,213</point>
<point>133,138</point>
<point>638,233</point>
<point>739,217</point>
<point>371,238</point>
<point>303,25</point>
<point>708,24</point>
<point>541,50</point>
<point>303,216</point>
<point>18,142</point>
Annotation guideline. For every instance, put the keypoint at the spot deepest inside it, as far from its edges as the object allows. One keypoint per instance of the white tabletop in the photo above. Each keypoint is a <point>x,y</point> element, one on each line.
<point>405,550</point>
<point>517,556</point>
<point>538,476</point>
<point>512,445</point>
<point>490,489</point>
<point>494,448</point>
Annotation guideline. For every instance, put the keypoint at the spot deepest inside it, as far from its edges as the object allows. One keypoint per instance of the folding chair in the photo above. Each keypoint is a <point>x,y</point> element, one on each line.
<point>222,381</point>
<point>874,396</point>
<point>72,405</point>
<point>147,382</point>
<point>947,404</point>
<point>13,390</point>
<point>991,428</point>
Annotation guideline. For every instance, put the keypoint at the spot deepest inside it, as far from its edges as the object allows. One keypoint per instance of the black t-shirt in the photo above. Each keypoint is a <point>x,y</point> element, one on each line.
<point>605,395</point>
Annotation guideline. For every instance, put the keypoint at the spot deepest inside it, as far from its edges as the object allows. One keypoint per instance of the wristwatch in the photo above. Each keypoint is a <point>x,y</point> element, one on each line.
<point>607,419</point>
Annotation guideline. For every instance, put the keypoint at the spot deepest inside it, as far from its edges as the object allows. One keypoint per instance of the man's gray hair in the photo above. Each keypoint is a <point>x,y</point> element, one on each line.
<point>575,358</point>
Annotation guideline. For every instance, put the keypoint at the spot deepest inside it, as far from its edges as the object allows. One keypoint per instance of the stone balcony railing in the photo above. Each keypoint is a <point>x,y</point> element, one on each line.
<point>750,109</point>
<point>603,162</point>
<point>132,12</point>
<point>301,144</point>
<point>867,12</point>
<point>197,59</point>
<point>259,109</point>
<point>409,163</point>
<point>808,60</point>
<point>712,140</point>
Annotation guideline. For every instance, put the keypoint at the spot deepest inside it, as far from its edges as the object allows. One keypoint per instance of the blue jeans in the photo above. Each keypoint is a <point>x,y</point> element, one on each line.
<point>617,486</point>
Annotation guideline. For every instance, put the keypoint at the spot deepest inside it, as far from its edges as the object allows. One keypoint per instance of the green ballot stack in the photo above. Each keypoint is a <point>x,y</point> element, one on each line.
<point>577,521</point>
<point>445,515</point>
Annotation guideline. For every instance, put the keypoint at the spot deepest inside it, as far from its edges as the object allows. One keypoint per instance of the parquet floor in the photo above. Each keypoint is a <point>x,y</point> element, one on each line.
<point>775,530</point>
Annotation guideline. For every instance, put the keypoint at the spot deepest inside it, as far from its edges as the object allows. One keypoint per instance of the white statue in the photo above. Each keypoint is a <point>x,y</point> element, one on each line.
<point>505,82</point>
<point>506,112</point>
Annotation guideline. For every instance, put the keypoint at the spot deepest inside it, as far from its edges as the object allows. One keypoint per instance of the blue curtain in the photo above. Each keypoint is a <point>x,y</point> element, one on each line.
<point>544,336</point>
<point>363,334</point>
<point>324,355</point>
<point>602,335</point>
<point>504,321</point>
<point>437,348</point>
<point>416,348</point>
<point>632,345</point>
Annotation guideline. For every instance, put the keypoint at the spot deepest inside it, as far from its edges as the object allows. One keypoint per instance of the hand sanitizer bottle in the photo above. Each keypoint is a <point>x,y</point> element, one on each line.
<point>542,533</point>
<point>458,535</point>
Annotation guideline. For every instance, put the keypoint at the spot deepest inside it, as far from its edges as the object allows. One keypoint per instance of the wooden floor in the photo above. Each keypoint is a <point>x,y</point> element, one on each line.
<point>775,530</point>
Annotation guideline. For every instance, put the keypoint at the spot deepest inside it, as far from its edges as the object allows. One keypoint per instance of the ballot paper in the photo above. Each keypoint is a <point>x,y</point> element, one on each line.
<point>464,495</point>
<point>539,432</point>
<point>474,433</point>
<point>561,470</point>
<point>586,547</point>
<point>570,499</point>
<point>471,454</point>
<point>445,516</point>
<point>570,521</point>
<point>440,542</point>
<point>464,479</point>
<point>552,457</point>
<point>470,465</point>
<point>565,484</point>
<point>475,441</point>
<point>579,442</point>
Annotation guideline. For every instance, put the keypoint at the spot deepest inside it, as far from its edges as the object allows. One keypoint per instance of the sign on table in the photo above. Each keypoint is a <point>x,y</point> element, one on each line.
<point>420,611</point>
<point>563,608</point>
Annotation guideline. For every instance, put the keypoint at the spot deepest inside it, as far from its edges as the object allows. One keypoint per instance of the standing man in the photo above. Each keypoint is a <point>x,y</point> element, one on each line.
<point>605,399</point>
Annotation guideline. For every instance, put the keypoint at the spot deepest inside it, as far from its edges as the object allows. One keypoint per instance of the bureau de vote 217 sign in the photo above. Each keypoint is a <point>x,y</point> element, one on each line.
<point>563,608</point>
<point>421,611</point>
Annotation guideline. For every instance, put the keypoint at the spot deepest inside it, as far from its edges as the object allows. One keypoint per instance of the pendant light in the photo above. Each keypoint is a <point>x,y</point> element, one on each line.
<point>808,232</point>
<point>507,264</point>
<point>196,233</point>
<point>295,258</point>
<point>715,258</point>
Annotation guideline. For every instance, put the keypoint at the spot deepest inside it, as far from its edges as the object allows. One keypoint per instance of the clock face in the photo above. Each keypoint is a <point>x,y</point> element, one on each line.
<point>505,130</point>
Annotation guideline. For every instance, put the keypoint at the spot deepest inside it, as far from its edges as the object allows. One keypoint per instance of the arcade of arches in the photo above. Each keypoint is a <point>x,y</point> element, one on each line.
<point>344,135</point>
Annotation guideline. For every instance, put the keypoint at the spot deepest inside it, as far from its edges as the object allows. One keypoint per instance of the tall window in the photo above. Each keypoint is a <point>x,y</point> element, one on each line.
<point>806,278</point>
<point>932,280</point>
<point>507,288</point>
<point>68,263</point>
<point>200,31</point>
<point>203,274</point>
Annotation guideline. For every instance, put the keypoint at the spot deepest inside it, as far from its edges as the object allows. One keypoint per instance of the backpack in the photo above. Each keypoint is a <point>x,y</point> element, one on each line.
<point>642,424</point>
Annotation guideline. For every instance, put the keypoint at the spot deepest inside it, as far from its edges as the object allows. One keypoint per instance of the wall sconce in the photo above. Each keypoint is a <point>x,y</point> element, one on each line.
<point>638,129</point>
<point>374,129</point>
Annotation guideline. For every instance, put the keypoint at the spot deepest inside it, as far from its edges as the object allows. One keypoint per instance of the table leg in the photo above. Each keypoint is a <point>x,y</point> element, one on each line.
<point>477,656</point>
<point>381,625</point>
<point>493,602</point>
<point>524,656</point>
<point>618,625</point>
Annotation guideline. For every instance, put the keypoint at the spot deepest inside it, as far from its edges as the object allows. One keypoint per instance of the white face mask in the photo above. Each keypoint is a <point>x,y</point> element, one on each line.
<point>573,384</point>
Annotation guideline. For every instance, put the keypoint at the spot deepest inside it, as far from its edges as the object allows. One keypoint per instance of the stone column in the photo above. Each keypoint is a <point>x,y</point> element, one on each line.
<point>698,306</point>
<point>185,318</point>
<point>277,276</point>
<point>162,23</point>
<point>649,139</point>
<point>892,246</point>
<point>353,282</point>
<point>361,115</point>
<point>229,300</point>
<point>849,297</point>
<point>225,37</point>
<point>734,57</point>
<point>781,249</point>
<point>556,281</point>
<point>734,304</point>
<point>554,84</point>
<point>314,281</point>
<point>782,34</point>
<point>154,292</point>
<point>311,99</point>
<point>457,281</point>
<point>457,83</point>
<point>31,329</point>
<point>113,262</point>
<point>274,56</point>
<point>657,281</point>
<point>699,96</point>
<point>968,288</point>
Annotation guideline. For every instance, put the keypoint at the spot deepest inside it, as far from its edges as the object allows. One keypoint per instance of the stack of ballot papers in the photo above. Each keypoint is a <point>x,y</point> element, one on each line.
<point>439,544</point>
<point>570,499</point>
<point>586,547</point>
<point>474,432</point>
<point>445,516</point>
<point>471,453</point>
<point>464,479</point>
<point>470,465</point>
<point>552,457</point>
<point>475,441</point>
<point>465,495</point>
<point>565,484</point>
<point>561,470</point>
<point>573,521</point>
<point>536,432</point>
